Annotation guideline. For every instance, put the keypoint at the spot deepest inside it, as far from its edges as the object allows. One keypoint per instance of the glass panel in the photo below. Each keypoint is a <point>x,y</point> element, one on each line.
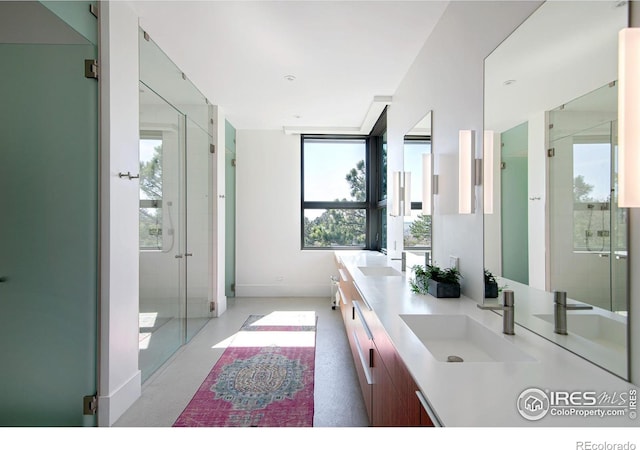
<point>151,190</point>
<point>587,230</point>
<point>199,245</point>
<point>334,227</point>
<point>334,170</point>
<point>162,285</point>
<point>619,238</point>
<point>383,227</point>
<point>230,216</point>
<point>161,74</point>
<point>49,223</point>
<point>514,203</point>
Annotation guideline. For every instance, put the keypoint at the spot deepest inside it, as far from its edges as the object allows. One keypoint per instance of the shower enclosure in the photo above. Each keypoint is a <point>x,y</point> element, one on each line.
<point>176,211</point>
<point>588,232</point>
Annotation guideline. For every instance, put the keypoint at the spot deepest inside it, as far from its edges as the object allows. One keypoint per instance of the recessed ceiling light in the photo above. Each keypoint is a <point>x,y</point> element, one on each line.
<point>289,77</point>
<point>509,82</point>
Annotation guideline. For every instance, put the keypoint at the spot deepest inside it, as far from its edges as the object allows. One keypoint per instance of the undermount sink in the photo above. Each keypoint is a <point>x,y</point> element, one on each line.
<point>379,271</point>
<point>459,338</point>
<point>594,327</point>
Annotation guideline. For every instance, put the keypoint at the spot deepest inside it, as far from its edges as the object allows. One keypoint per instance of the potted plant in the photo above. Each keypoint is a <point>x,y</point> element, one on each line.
<point>490,285</point>
<point>431,279</point>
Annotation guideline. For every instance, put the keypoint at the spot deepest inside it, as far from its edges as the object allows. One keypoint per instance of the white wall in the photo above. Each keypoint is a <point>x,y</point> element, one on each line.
<point>447,78</point>
<point>120,379</point>
<point>269,259</point>
<point>537,188</point>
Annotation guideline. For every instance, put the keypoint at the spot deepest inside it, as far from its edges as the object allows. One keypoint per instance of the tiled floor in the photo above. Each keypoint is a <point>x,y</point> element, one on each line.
<point>338,401</point>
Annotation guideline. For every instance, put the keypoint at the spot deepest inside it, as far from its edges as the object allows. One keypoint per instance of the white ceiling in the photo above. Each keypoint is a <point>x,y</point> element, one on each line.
<point>342,53</point>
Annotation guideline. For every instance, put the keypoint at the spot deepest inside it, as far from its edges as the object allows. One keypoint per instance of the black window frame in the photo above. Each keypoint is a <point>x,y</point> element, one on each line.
<point>375,200</point>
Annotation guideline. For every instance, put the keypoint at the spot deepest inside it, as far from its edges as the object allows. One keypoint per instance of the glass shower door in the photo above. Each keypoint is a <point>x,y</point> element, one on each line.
<point>199,218</point>
<point>587,230</point>
<point>162,231</point>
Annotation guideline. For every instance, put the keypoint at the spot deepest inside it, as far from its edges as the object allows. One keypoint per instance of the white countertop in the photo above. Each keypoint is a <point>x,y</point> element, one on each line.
<point>476,394</point>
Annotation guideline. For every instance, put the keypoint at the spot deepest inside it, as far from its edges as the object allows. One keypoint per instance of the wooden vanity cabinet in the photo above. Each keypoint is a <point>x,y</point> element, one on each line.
<point>388,390</point>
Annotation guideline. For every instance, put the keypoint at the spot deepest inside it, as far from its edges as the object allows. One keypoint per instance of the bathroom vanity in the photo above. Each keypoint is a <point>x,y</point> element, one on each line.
<point>430,361</point>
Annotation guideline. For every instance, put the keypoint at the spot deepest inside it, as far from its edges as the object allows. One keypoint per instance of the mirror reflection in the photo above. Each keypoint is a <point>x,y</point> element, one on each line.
<point>551,221</point>
<point>417,229</point>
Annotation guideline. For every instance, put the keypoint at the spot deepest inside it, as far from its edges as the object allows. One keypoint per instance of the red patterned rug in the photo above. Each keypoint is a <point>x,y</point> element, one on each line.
<point>265,378</point>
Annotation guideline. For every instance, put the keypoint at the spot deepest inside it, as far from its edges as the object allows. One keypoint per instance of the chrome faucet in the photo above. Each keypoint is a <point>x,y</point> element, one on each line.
<point>509,311</point>
<point>560,308</point>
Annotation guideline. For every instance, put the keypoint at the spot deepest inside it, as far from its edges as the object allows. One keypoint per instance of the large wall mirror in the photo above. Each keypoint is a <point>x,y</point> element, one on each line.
<point>551,221</point>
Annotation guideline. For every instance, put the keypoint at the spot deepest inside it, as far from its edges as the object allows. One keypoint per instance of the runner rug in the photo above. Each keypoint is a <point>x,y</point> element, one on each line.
<point>264,378</point>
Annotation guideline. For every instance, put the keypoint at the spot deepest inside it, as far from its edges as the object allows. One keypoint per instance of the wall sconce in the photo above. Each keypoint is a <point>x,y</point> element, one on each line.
<point>401,205</point>
<point>487,162</point>
<point>629,118</point>
<point>466,169</point>
<point>427,184</point>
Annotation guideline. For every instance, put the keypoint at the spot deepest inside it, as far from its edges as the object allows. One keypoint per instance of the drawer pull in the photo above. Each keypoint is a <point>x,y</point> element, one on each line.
<point>367,372</point>
<point>356,308</point>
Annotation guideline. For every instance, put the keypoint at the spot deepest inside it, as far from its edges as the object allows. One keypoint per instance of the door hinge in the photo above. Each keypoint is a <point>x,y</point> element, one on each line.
<point>233,287</point>
<point>93,9</point>
<point>551,152</point>
<point>233,162</point>
<point>90,403</point>
<point>91,68</point>
<point>503,165</point>
<point>212,306</point>
<point>212,148</point>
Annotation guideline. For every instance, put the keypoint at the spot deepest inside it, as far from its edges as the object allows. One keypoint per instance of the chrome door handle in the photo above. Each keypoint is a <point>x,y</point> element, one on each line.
<point>128,175</point>
<point>178,256</point>
<point>188,254</point>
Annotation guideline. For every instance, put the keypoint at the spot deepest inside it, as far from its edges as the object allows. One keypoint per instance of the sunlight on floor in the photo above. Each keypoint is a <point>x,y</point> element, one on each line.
<point>147,320</point>
<point>276,338</point>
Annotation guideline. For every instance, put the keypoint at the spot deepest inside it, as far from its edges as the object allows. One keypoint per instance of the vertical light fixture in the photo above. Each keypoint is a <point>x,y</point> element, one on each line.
<point>629,118</point>
<point>487,165</point>
<point>401,205</point>
<point>427,183</point>
<point>466,168</point>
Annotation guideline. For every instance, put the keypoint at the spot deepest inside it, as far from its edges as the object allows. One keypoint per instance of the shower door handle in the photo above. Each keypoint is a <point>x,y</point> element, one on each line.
<point>178,256</point>
<point>188,254</point>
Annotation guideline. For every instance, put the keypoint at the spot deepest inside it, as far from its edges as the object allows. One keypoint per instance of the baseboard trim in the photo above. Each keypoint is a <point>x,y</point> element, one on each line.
<point>283,290</point>
<point>112,406</point>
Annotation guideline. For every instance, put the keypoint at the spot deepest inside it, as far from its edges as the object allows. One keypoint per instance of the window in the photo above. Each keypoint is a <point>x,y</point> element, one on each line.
<point>334,192</point>
<point>151,191</point>
<point>344,193</point>
<point>592,196</point>
<point>417,227</point>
